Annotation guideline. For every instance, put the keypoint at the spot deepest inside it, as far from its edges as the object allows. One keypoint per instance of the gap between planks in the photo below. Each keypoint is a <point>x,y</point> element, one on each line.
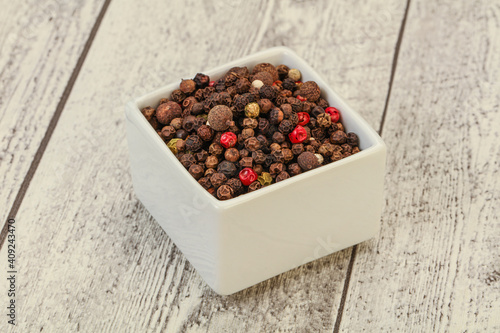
<point>338,321</point>
<point>53,123</point>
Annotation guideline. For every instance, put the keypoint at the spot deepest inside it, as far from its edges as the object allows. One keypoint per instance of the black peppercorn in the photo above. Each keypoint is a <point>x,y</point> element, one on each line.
<point>338,137</point>
<point>187,160</point>
<point>205,182</point>
<point>278,137</point>
<point>181,134</point>
<point>209,172</point>
<point>236,185</point>
<point>352,139</point>
<point>276,168</point>
<point>278,156</point>
<point>193,143</point>
<point>324,120</point>
<point>254,186</point>
<point>275,116</point>
<point>201,156</point>
<point>282,176</point>
<point>285,127</point>
<point>218,179</point>
<point>227,168</point>
<point>201,80</point>
<point>244,153</point>
<point>258,169</point>
<point>294,169</point>
<point>259,157</point>
<point>177,96</point>
<point>252,144</point>
<point>246,162</point>
<point>317,111</point>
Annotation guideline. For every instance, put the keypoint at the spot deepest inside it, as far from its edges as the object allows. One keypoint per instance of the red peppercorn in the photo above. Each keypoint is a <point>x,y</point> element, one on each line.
<point>334,113</point>
<point>228,140</point>
<point>302,99</point>
<point>248,176</point>
<point>298,135</point>
<point>211,83</point>
<point>303,118</point>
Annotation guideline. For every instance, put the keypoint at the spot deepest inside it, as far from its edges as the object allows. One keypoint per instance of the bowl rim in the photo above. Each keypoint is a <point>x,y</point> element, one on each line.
<point>134,115</point>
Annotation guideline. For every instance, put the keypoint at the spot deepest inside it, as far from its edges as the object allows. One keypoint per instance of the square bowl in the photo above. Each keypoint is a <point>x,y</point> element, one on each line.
<point>237,243</point>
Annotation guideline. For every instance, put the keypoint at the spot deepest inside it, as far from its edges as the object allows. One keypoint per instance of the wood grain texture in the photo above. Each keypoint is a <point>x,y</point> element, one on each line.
<point>92,259</point>
<point>41,42</point>
<point>435,266</point>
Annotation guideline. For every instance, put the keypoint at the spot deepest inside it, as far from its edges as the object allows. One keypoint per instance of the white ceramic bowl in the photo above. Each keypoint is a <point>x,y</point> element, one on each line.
<point>237,243</point>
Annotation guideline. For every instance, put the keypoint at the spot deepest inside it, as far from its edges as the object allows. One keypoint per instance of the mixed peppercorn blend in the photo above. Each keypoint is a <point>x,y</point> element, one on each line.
<point>250,129</point>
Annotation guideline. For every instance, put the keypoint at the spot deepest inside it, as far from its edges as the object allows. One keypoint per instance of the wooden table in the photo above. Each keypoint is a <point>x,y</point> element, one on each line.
<point>90,258</point>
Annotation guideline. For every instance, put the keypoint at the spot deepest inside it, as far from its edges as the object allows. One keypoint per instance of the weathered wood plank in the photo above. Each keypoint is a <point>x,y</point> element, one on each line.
<point>41,42</point>
<point>92,259</point>
<point>435,266</point>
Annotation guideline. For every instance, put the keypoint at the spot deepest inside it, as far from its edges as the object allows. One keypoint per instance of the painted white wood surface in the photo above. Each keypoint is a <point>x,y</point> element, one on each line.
<point>91,258</point>
<point>40,45</point>
<point>435,266</point>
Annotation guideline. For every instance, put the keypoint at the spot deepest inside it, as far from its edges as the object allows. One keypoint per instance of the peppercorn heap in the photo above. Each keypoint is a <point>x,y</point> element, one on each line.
<point>248,130</point>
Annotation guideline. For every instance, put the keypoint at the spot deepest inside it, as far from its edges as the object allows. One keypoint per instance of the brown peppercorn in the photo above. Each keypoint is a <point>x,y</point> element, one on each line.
<point>275,116</point>
<point>188,104</point>
<point>252,144</point>
<point>276,168</point>
<point>282,176</point>
<point>225,192</point>
<point>355,150</point>
<point>247,133</point>
<point>285,127</point>
<point>352,139</point>
<point>310,149</point>
<point>236,185</point>
<point>254,186</point>
<point>168,111</point>
<point>295,104</point>
<point>340,127</point>
<point>176,123</point>
<point>338,137</point>
<point>148,112</point>
<point>324,120</point>
<point>215,149</point>
<point>187,160</point>
<point>201,156</point>
<point>297,148</point>
<point>244,153</point>
<point>286,145</point>
<point>211,161</point>
<point>167,132</point>
<point>180,145</point>
<point>337,155</point>
<point>326,149</point>
<point>188,123</point>
<point>258,169</point>
<point>322,102</point>
<point>263,126</point>
<point>346,154</point>
<point>209,172</point>
<point>193,143</point>
<point>246,162</point>
<point>177,96</point>
<point>227,168</point>
<point>263,140</point>
<point>201,80</point>
<point>232,155</point>
<point>346,148</point>
<point>266,67</point>
<point>274,146</point>
<point>250,123</point>
<point>205,133</point>
<point>310,90</point>
<point>163,100</point>
<point>279,137</point>
<point>307,161</point>
<point>265,105</point>
<point>294,169</point>
<point>282,71</point>
<point>259,157</point>
<point>205,182</point>
<point>287,154</point>
<point>220,117</point>
<point>218,179</point>
<point>187,86</point>
<point>196,171</point>
<point>278,156</point>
